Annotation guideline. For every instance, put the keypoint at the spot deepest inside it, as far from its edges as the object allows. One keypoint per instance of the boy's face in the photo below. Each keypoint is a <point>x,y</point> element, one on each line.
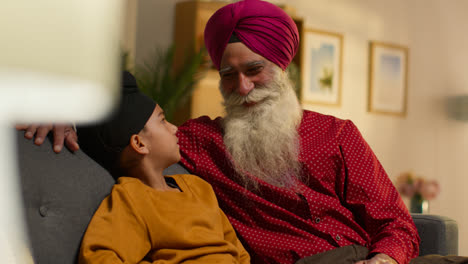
<point>161,139</point>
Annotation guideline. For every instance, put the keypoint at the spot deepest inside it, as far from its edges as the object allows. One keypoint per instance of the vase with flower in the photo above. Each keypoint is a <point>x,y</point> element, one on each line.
<point>418,189</point>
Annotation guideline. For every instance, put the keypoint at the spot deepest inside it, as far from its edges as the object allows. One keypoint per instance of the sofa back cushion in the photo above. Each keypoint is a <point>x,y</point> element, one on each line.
<point>60,194</point>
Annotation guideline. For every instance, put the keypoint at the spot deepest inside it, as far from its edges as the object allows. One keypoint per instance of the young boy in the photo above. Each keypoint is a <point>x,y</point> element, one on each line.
<point>148,217</point>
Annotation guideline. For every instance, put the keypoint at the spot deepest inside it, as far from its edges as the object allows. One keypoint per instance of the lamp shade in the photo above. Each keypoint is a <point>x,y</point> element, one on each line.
<point>59,60</point>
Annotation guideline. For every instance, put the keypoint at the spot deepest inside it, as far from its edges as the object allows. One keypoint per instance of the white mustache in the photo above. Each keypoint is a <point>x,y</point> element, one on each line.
<point>258,94</point>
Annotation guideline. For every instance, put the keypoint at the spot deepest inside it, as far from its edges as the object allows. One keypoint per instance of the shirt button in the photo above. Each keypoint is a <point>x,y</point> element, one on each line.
<point>317,220</point>
<point>338,237</point>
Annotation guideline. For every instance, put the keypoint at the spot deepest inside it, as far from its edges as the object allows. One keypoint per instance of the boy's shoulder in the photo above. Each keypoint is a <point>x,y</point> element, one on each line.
<point>127,184</point>
<point>128,192</point>
<point>192,181</point>
<point>124,181</point>
<point>188,178</point>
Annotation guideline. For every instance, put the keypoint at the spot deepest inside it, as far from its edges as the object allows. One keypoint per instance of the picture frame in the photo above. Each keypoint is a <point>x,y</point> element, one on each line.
<point>322,67</point>
<point>388,78</point>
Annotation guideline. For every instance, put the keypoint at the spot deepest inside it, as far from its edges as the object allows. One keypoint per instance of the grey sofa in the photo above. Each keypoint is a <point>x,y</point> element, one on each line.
<point>62,191</point>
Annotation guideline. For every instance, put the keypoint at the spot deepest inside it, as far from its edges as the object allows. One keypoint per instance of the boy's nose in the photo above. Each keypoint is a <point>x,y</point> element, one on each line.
<point>173,128</point>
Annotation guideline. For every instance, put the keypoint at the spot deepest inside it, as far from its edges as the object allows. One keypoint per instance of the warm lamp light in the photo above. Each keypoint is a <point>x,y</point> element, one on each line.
<point>59,61</point>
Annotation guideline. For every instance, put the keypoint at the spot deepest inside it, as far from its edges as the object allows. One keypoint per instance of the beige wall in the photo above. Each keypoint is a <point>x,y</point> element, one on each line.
<point>154,26</point>
<point>425,141</point>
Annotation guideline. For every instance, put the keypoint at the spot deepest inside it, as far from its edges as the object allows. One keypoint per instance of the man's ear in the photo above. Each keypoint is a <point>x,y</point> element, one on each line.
<point>137,144</point>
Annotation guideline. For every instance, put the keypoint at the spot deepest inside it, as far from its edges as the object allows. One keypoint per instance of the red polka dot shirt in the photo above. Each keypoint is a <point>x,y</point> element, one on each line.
<point>346,197</point>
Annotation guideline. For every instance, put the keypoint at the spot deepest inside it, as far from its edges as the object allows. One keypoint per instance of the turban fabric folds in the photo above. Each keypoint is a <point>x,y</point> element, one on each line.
<point>263,27</point>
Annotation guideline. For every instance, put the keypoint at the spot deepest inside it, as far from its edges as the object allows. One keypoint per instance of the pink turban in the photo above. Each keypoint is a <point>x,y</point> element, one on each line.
<point>263,27</point>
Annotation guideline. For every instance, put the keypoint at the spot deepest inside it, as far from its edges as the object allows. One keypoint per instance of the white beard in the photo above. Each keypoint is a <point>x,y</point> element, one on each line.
<point>262,139</point>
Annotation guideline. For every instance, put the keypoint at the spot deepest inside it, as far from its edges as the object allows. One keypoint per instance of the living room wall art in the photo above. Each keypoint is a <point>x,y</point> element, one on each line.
<point>322,67</point>
<point>388,74</point>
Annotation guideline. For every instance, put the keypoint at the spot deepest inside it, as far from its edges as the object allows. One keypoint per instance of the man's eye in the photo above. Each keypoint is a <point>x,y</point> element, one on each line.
<point>227,75</point>
<point>254,70</point>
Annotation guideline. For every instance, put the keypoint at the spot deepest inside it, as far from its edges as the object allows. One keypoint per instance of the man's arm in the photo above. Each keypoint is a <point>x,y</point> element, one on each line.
<point>62,134</point>
<point>374,201</point>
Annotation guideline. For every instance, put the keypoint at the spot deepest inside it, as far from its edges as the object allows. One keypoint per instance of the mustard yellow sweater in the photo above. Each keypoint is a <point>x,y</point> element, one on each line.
<point>138,224</point>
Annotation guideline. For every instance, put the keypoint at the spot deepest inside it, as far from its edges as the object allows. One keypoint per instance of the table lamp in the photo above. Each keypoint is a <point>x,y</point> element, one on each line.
<point>59,62</point>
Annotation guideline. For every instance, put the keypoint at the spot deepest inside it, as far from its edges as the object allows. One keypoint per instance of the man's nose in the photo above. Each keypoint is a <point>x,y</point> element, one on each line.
<point>245,85</point>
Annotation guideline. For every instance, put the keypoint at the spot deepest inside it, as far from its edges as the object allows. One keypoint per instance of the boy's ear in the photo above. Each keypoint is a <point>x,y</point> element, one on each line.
<point>137,144</point>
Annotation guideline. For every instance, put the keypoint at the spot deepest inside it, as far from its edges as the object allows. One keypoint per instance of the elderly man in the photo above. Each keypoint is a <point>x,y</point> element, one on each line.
<point>293,183</point>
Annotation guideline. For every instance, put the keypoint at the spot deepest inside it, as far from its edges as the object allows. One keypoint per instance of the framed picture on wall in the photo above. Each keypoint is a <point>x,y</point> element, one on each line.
<point>321,73</point>
<point>388,75</point>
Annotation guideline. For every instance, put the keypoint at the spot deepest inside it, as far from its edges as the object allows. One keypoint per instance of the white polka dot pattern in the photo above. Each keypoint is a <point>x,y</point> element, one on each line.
<point>345,198</point>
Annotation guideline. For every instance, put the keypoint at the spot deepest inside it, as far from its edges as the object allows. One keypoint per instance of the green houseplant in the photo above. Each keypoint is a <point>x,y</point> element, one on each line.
<point>170,89</point>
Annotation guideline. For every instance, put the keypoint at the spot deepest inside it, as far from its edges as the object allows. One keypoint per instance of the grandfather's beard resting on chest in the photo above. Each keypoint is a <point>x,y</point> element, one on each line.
<point>262,139</point>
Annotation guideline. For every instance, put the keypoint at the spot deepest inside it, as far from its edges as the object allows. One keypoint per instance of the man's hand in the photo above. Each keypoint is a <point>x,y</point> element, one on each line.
<point>379,259</point>
<point>62,134</point>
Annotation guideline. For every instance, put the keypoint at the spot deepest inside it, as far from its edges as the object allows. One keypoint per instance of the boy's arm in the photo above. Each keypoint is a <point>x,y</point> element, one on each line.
<point>116,233</point>
<point>230,235</point>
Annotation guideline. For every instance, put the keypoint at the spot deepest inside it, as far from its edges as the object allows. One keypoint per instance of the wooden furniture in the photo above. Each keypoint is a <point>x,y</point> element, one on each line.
<point>190,21</point>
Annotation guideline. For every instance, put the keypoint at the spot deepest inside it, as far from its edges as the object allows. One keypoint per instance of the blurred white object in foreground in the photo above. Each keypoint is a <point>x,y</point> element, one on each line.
<point>59,61</point>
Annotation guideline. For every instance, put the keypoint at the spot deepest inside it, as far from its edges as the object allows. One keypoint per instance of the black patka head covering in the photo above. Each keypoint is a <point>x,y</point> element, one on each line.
<point>105,141</point>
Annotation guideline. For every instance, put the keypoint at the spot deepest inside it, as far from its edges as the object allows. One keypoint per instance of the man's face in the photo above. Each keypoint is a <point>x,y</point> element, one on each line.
<point>243,70</point>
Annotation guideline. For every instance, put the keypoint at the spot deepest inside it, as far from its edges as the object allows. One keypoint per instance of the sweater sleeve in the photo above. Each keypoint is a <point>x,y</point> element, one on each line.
<point>230,235</point>
<point>377,205</point>
<point>116,233</point>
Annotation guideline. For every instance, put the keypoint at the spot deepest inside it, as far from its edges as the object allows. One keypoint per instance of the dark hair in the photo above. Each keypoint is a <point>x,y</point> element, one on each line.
<point>105,141</point>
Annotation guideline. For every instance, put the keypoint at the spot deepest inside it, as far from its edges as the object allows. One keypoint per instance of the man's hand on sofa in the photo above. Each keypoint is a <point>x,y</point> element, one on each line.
<point>63,134</point>
<point>378,259</point>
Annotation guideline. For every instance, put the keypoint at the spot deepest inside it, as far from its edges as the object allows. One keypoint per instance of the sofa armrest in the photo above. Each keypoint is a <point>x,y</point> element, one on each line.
<point>439,234</point>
